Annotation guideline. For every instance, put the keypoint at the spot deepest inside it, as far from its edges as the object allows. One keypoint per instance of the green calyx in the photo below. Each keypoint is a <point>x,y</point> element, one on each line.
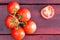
<point>15,10</point>
<point>13,21</point>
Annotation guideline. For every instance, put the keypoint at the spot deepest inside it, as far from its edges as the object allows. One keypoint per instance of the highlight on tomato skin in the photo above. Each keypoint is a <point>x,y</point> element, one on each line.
<point>30,27</point>
<point>13,7</point>
<point>47,12</point>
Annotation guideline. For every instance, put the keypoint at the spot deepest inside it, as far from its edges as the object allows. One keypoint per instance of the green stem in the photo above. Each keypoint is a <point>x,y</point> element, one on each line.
<point>20,16</point>
<point>17,27</point>
<point>11,15</point>
<point>22,24</point>
<point>15,10</point>
<point>14,13</point>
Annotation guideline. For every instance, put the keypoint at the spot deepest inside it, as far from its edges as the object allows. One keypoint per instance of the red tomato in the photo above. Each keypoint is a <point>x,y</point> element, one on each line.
<point>11,22</point>
<point>47,12</point>
<point>13,7</point>
<point>24,14</point>
<point>18,33</point>
<point>30,27</point>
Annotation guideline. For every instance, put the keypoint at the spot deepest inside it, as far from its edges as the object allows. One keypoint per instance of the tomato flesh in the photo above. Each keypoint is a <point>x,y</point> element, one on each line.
<point>47,12</point>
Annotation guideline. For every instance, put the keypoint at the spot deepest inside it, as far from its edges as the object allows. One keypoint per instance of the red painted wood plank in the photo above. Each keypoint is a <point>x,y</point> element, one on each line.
<point>31,1</point>
<point>51,26</point>
<point>32,37</point>
<point>6,37</point>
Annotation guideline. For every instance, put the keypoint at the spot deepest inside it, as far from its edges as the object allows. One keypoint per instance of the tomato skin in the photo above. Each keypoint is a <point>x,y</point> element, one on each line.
<point>47,12</point>
<point>13,7</point>
<point>9,23</point>
<point>24,14</point>
<point>30,27</point>
<point>18,34</point>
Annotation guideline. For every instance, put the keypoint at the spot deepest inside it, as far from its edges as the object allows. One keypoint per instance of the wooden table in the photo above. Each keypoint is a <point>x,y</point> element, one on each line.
<point>46,29</point>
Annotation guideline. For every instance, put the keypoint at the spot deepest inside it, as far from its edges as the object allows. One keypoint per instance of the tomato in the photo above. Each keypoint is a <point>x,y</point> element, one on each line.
<point>13,7</point>
<point>47,12</point>
<point>11,22</point>
<point>18,33</point>
<point>30,27</point>
<point>24,14</point>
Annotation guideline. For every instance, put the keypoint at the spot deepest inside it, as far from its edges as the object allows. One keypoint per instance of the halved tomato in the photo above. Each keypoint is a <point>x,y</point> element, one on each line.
<point>47,12</point>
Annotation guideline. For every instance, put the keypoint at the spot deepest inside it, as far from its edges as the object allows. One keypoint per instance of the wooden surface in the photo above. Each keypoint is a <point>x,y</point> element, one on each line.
<point>33,37</point>
<point>31,1</point>
<point>45,28</point>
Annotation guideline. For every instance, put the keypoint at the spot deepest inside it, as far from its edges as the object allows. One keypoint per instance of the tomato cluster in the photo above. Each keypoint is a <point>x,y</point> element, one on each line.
<point>19,21</point>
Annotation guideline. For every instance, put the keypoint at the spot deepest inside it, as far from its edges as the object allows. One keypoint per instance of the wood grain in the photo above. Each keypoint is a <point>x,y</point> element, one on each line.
<point>31,1</point>
<point>32,37</point>
<point>46,29</point>
<point>44,26</point>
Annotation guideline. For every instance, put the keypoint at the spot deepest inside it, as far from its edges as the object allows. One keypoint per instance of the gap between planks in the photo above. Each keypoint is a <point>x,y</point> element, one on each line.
<point>33,3</point>
<point>33,34</point>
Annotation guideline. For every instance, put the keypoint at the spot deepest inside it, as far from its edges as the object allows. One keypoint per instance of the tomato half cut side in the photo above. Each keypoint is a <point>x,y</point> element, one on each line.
<point>47,12</point>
